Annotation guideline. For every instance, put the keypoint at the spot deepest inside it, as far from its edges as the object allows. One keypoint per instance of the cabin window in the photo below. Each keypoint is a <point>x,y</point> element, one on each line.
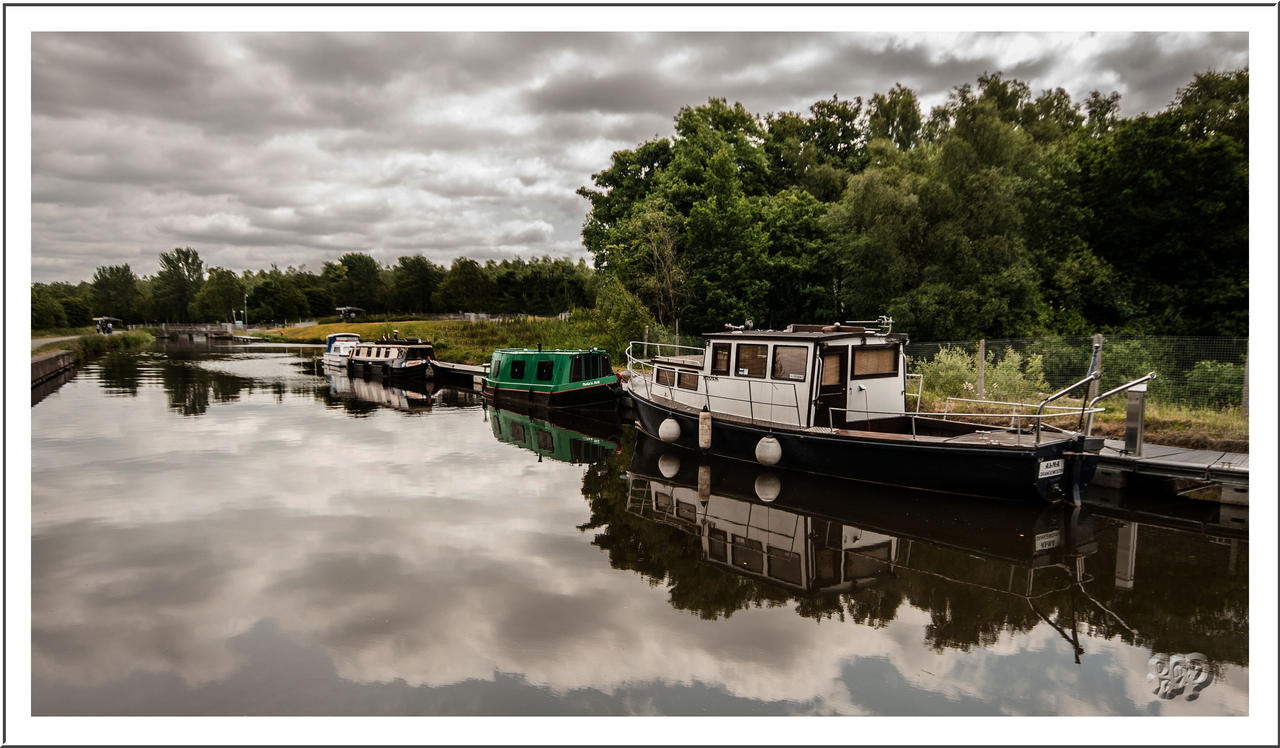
<point>688,380</point>
<point>517,368</point>
<point>717,545</point>
<point>517,432</point>
<point>784,565</point>
<point>790,362</point>
<point>666,377</point>
<point>545,370</point>
<point>686,512</point>
<point>605,368</point>
<point>575,369</point>
<point>748,554</point>
<point>875,362</point>
<point>720,359</point>
<point>752,360</point>
<point>662,502</point>
<point>546,442</point>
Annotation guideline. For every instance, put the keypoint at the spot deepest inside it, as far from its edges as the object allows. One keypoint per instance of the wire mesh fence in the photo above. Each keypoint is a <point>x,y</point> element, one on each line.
<point>1195,372</point>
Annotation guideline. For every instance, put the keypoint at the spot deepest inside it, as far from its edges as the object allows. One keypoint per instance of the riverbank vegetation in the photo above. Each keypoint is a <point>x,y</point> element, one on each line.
<point>86,347</point>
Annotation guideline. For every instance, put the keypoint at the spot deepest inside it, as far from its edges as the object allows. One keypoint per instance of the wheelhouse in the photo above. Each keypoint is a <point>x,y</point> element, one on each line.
<point>805,375</point>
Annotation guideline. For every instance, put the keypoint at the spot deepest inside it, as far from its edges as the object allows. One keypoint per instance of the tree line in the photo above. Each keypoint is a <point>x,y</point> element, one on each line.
<point>183,290</point>
<point>1001,214</point>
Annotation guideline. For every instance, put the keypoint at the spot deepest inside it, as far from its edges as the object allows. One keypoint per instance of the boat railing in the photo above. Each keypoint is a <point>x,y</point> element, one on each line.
<point>919,393</point>
<point>1016,425</point>
<point>1088,425</point>
<point>643,369</point>
<point>1093,375</point>
<point>1015,418</point>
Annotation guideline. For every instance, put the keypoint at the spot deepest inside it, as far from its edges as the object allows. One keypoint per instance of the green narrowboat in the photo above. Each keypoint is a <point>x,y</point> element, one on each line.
<point>562,435</point>
<point>551,378</point>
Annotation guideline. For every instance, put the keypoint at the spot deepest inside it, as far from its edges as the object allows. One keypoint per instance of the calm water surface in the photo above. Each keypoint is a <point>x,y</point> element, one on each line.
<point>226,532</point>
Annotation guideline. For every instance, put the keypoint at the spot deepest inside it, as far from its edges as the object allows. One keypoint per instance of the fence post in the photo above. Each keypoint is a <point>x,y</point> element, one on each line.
<point>1244,394</point>
<point>1093,386</point>
<point>982,369</point>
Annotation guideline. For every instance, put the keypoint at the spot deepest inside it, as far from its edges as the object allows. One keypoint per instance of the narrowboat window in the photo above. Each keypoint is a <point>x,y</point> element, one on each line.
<point>752,360</point>
<point>717,545</point>
<point>875,362</point>
<point>790,362</point>
<point>666,377</point>
<point>784,565</point>
<point>517,432</point>
<point>748,554</point>
<point>720,359</point>
<point>546,441</point>
<point>575,369</point>
<point>517,368</point>
<point>605,368</point>
<point>688,380</point>
<point>545,370</point>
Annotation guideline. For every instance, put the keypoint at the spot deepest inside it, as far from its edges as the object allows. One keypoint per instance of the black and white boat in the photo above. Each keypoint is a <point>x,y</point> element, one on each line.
<point>832,400</point>
<point>405,360</point>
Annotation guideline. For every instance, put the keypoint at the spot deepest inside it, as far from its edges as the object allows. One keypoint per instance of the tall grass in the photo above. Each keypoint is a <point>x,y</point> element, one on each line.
<point>86,347</point>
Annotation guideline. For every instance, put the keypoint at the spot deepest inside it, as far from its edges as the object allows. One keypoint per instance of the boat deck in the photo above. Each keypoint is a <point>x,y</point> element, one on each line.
<point>687,362</point>
<point>1178,462</point>
<point>1005,439</point>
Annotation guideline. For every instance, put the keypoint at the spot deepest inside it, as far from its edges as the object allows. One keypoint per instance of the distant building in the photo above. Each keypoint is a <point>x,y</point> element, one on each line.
<point>349,312</point>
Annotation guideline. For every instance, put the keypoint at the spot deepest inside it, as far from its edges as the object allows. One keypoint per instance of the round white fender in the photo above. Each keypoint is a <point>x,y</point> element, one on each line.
<point>669,430</point>
<point>768,486</point>
<point>768,451</point>
<point>668,465</point>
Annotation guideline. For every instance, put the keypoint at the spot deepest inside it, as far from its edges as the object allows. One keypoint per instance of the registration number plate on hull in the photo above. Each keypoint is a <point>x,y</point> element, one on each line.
<point>1050,468</point>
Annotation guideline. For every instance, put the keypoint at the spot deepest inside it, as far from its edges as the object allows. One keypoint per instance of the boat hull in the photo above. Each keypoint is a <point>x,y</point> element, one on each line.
<point>970,469</point>
<point>413,372</point>
<point>600,396</point>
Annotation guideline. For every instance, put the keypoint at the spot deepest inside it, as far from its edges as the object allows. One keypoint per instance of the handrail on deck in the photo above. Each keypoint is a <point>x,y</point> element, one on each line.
<point>1095,374</point>
<point>1088,426</point>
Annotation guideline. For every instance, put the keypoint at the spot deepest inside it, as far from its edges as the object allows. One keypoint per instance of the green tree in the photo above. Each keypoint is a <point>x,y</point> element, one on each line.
<point>46,312</point>
<point>416,279</point>
<point>176,284</point>
<point>465,288</point>
<point>361,284</point>
<point>221,296</point>
<point>895,116</point>
<point>77,311</point>
<point>116,293</point>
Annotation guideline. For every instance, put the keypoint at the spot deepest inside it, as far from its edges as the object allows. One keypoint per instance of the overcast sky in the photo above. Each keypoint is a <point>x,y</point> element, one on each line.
<point>293,148</point>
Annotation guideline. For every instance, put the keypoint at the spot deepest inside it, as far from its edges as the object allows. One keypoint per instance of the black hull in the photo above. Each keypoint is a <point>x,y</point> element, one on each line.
<point>968,470</point>
<point>600,397</point>
<point>388,373</point>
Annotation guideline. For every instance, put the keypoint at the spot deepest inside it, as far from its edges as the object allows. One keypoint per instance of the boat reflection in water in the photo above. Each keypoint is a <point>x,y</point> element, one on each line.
<point>403,396</point>
<point>562,435</point>
<point>724,536</point>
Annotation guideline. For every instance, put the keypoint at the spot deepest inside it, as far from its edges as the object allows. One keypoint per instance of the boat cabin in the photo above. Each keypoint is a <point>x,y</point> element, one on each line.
<point>551,377</point>
<point>805,375</point>
<point>393,358</point>
<point>340,342</point>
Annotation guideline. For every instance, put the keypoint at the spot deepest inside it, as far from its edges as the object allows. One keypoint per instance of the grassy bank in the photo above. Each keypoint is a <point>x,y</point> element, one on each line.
<point>88,346</point>
<point>465,342</point>
<point>61,332</point>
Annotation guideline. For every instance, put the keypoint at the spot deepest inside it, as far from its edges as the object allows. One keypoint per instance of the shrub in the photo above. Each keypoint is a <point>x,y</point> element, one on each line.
<point>1215,384</point>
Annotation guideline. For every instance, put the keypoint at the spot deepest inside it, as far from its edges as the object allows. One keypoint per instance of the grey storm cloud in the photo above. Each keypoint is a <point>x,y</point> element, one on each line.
<point>293,148</point>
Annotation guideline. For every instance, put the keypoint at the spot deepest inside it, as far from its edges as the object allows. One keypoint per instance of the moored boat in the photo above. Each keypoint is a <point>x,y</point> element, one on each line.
<point>832,400</point>
<point>337,346</point>
<point>408,359</point>
<point>551,378</point>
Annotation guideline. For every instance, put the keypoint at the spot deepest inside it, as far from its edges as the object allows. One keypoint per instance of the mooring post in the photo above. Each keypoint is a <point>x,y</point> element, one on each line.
<point>1126,555</point>
<point>1095,364</point>
<point>982,369</point>
<point>1244,393</point>
<point>1134,417</point>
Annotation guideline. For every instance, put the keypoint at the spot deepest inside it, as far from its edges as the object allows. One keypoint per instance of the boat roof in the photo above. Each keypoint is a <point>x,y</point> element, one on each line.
<point>336,335</point>
<point>564,351</point>
<point>807,333</point>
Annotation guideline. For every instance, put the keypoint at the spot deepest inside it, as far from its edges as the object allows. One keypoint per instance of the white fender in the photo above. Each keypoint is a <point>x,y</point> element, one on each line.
<point>669,430</point>
<point>768,451</point>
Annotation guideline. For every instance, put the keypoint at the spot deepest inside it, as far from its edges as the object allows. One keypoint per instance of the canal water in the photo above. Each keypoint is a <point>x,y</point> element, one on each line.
<point>228,531</point>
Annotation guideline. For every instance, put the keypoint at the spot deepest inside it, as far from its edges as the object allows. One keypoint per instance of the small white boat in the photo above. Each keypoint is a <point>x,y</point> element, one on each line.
<point>337,347</point>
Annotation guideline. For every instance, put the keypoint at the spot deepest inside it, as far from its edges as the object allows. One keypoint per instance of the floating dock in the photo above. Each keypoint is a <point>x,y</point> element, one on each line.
<point>1179,465</point>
